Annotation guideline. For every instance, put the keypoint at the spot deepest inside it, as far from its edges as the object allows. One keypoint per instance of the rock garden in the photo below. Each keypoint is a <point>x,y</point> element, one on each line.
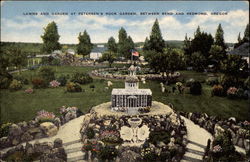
<point>104,137</point>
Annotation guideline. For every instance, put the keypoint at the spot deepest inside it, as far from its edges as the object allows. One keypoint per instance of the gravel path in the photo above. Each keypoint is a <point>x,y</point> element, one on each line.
<point>197,138</point>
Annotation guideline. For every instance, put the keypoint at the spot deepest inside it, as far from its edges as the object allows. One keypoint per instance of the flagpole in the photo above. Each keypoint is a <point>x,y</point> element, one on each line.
<point>131,58</point>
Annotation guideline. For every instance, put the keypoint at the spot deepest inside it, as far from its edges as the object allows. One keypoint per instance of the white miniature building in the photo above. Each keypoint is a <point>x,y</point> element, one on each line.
<point>131,98</point>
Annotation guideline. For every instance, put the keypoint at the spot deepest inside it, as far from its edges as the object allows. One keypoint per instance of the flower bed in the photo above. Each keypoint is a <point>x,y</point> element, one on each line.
<point>167,140</point>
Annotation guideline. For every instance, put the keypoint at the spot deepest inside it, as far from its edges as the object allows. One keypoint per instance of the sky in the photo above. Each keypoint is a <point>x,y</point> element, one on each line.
<point>18,26</point>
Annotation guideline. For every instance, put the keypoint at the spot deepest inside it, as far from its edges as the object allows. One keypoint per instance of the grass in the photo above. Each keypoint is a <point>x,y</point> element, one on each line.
<point>18,106</point>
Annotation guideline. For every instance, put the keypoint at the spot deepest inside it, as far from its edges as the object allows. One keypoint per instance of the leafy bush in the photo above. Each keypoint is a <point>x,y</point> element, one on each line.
<point>240,93</point>
<point>156,136</point>
<point>62,79</point>
<point>223,148</point>
<point>212,81</point>
<point>15,85</point>
<point>90,133</point>
<point>189,82</point>
<point>39,83</point>
<point>47,74</point>
<point>107,153</point>
<point>81,78</point>
<point>45,116</point>
<point>4,82</point>
<point>73,87</point>
<point>4,129</point>
<point>110,136</point>
<point>227,82</point>
<point>196,88</point>
<point>217,90</point>
<point>22,79</point>
<point>148,154</point>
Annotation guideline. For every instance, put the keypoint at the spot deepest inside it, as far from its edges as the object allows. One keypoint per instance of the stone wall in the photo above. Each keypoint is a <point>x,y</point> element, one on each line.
<point>45,152</point>
<point>33,129</point>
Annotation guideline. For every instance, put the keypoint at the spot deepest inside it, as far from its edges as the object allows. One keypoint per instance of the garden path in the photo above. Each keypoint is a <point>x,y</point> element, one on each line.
<point>197,138</point>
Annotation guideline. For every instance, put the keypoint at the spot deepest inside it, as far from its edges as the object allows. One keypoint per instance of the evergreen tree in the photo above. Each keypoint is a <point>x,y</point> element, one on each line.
<point>50,38</point>
<point>239,38</point>
<point>146,44</point>
<point>246,34</point>
<point>122,36</point>
<point>219,38</point>
<point>187,49</point>
<point>197,32</point>
<point>156,41</point>
<point>125,44</point>
<point>84,46</point>
<point>112,46</point>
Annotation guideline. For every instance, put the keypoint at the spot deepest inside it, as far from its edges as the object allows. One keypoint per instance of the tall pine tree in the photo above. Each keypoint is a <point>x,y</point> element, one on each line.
<point>125,44</point>
<point>50,38</point>
<point>84,46</point>
<point>246,34</point>
<point>146,44</point>
<point>156,41</point>
<point>219,38</point>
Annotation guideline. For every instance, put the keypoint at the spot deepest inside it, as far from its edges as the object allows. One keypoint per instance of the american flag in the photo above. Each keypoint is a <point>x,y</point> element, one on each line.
<point>135,53</point>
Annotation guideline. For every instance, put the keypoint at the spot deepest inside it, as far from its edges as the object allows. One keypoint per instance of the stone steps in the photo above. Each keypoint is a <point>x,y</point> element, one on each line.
<point>73,151</point>
<point>194,152</point>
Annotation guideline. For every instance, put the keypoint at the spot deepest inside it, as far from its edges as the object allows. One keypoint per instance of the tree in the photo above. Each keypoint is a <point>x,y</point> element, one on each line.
<point>108,56</point>
<point>198,61</point>
<point>234,65</point>
<point>156,41</point>
<point>197,32</point>
<point>146,44</point>
<point>246,34</point>
<point>112,46</point>
<point>17,58</point>
<point>84,46</point>
<point>244,39</point>
<point>216,55</point>
<point>187,50</point>
<point>125,44</point>
<point>50,38</point>
<point>219,38</point>
<point>202,42</point>
<point>122,36</point>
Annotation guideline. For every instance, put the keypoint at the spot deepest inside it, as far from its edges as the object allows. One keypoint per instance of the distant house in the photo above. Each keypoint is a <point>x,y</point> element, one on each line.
<point>97,52</point>
<point>242,50</point>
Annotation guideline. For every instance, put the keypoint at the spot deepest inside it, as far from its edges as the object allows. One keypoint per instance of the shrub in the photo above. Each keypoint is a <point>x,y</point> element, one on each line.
<point>107,153</point>
<point>4,129</point>
<point>62,79</point>
<point>90,133</point>
<point>47,74</point>
<point>223,148</point>
<point>110,136</point>
<point>39,83</point>
<point>22,79</point>
<point>29,90</point>
<point>232,92</point>
<point>196,88</point>
<point>156,136</point>
<point>4,82</point>
<point>73,87</point>
<point>92,146</point>
<point>212,81</point>
<point>81,78</point>
<point>45,116</point>
<point>54,84</point>
<point>189,82</point>
<point>217,90</point>
<point>227,82</point>
<point>240,93</point>
<point>148,154</point>
<point>15,85</point>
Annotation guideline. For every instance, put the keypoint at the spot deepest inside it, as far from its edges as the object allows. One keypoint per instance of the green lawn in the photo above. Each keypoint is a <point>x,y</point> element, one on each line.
<point>18,106</point>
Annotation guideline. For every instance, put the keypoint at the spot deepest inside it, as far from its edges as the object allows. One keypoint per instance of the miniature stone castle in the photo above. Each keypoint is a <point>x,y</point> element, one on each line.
<point>131,98</point>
